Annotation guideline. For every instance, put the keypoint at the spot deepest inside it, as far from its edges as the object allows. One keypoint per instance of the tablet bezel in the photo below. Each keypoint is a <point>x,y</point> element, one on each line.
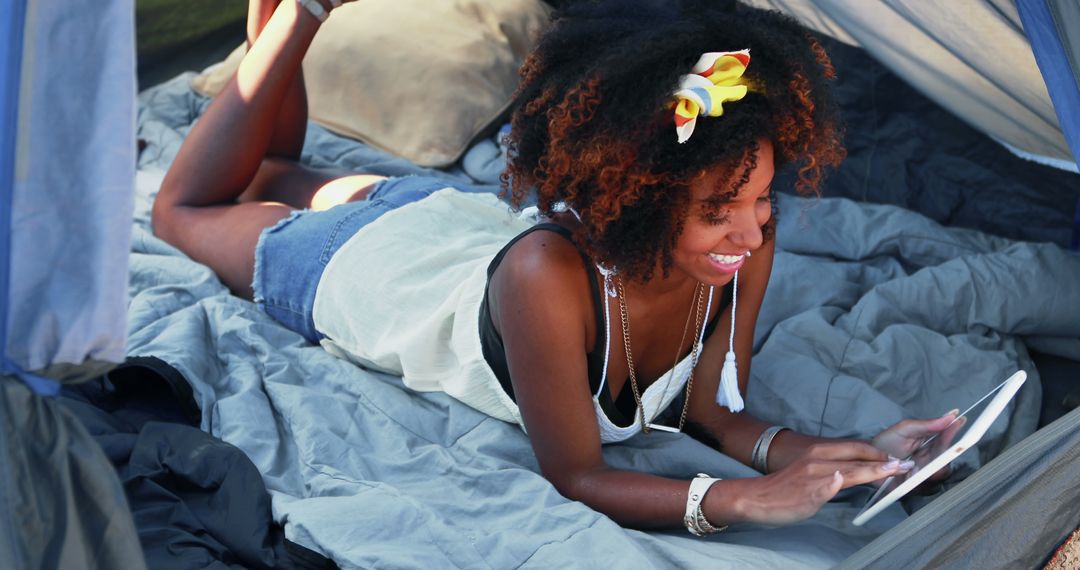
<point>971,437</point>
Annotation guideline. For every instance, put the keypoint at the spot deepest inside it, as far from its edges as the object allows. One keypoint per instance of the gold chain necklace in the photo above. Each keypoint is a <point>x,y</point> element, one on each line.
<point>695,309</point>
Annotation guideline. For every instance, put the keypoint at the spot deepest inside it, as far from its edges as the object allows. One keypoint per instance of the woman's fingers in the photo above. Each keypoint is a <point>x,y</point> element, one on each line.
<point>800,489</point>
<point>862,472</point>
<point>946,438</point>
<point>942,442</point>
<point>856,472</point>
<point>904,437</point>
<point>830,488</point>
<point>924,428</point>
<point>847,451</point>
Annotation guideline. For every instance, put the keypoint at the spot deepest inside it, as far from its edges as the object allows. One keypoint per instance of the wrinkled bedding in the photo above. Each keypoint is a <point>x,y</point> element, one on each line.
<point>873,314</point>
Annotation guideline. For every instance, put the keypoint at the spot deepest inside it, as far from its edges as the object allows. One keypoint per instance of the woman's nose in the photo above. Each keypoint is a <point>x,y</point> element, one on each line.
<point>745,231</point>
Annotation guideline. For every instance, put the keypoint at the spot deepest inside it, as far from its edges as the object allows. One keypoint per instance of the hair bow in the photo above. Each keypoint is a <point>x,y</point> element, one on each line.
<point>715,79</point>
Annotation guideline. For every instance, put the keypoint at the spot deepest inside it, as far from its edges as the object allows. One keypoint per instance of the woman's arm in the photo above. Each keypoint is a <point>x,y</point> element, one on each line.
<point>290,121</point>
<point>241,150</point>
<point>735,434</point>
<point>537,300</point>
<point>226,146</point>
<point>537,297</point>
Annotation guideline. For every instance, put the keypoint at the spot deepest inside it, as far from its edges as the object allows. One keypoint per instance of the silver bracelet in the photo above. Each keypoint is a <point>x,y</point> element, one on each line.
<point>315,8</point>
<point>694,518</point>
<point>759,458</point>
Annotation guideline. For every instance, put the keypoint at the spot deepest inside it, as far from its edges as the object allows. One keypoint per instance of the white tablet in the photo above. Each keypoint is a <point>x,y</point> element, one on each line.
<point>895,488</point>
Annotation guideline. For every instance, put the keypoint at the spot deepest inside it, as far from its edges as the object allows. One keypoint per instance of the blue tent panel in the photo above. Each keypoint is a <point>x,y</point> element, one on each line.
<point>1061,80</point>
<point>1053,62</point>
<point>11,26</point>
<point>67,90</point>
<point>67,171</point>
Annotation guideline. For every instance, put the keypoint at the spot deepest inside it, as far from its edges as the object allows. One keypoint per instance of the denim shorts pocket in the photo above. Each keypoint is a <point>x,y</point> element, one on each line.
<point>349,224</point>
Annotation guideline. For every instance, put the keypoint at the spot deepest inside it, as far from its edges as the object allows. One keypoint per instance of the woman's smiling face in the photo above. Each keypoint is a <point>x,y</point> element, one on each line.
<point>716,237</point>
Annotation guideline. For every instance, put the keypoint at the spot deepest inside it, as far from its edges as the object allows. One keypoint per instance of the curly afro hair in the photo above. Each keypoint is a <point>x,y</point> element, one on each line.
<point>594,127</point>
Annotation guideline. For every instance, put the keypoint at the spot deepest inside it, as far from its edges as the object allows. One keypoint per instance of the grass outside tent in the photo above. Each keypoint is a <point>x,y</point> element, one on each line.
<point>173,36</point>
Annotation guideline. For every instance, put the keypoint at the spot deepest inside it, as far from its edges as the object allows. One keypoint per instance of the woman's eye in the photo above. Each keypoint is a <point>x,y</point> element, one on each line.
<point>765,198</point>
<point>715,218</point>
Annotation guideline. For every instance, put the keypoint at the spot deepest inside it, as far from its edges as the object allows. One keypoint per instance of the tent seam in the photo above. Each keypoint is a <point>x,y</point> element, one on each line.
<point>14,14</point>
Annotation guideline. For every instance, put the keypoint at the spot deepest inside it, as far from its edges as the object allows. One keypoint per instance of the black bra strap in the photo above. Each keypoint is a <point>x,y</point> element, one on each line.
<point>595,365</point>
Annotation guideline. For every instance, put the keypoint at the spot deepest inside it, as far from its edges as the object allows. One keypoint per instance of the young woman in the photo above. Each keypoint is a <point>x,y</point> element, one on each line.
<point>649,132</point>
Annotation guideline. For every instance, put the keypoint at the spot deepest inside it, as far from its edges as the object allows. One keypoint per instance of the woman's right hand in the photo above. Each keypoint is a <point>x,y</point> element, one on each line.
<point>800,489</point>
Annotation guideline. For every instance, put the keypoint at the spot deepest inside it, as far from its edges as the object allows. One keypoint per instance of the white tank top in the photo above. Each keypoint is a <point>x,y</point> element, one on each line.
<point>403,296</point>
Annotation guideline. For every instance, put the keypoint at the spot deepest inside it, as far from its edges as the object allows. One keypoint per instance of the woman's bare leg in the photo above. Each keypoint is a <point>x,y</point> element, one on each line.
<point>259,112</point>
<point>281,177</point>
<point>290,125</point>
<point>289,182</point>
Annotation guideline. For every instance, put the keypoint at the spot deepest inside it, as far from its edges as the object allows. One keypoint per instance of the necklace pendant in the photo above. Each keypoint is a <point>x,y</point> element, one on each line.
<point>695,309</point>
<point>668,429</point>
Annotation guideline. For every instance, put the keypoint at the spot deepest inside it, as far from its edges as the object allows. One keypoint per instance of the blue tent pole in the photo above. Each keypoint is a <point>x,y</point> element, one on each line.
<point>1060,81</point>
<point>12,22</point>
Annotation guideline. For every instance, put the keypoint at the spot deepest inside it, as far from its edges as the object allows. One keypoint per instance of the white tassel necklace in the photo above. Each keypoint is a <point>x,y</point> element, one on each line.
<point>728,395</point>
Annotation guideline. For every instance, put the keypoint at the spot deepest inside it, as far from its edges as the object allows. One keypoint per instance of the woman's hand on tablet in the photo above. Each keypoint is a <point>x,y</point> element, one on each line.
<point>906,438</point>
<point>800,489</point>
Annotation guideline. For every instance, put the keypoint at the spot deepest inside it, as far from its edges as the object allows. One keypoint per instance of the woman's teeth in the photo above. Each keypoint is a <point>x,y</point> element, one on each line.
<point>725,259</point>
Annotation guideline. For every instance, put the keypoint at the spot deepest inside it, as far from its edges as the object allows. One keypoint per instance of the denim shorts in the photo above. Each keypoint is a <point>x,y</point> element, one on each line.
<point>291,255</point>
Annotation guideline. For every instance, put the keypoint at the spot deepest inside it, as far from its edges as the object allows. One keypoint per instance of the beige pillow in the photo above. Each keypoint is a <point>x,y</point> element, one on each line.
<point>417,78</point>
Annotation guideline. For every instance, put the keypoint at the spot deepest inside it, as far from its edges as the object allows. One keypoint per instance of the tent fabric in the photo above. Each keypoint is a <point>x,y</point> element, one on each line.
<point>63,506</point>
<point>71,189</point>
<point>1010,514</point>
<point>12,16</point>
<point>1066,17</point>
<point>971,57</point>
<point>66,177</point>
<point>1047,29</point>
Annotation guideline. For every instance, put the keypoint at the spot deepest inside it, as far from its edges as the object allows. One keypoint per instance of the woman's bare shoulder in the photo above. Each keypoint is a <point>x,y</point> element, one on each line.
<point>543,268</point>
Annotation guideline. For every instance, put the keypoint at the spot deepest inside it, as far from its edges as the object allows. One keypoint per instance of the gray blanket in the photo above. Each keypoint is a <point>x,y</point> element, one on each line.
<point>873,314</point>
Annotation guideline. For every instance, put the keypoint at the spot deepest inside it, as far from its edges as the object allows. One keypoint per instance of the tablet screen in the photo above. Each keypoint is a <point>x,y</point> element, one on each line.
<point>984,411</point>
